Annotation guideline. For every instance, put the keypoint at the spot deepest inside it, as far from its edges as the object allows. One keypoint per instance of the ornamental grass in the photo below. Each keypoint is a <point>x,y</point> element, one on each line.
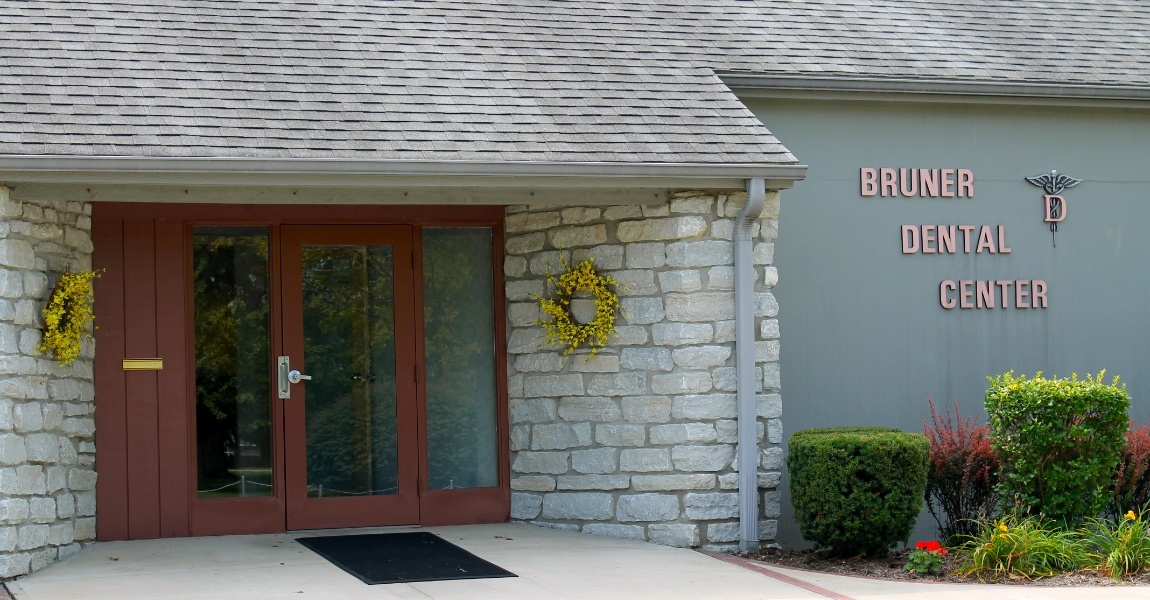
<point>1022,548</point>
<point>1121,548</point>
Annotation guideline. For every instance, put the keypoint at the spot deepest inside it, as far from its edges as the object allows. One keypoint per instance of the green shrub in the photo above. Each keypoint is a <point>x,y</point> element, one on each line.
<point>1059,441</point>
<point>1023,548</point>
<point>857,490</point>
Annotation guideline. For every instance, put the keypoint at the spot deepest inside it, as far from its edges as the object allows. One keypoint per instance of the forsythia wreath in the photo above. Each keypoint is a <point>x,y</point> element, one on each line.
<point>68,315</point>
<point>562,328</point>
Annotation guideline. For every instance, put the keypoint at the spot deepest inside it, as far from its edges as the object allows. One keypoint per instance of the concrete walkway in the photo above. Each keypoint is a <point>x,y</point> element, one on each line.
<point>549,564</point>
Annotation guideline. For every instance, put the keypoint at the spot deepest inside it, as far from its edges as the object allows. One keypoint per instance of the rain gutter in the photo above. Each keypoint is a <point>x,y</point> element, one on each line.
<point>373,172</point>
<point>748,449</point>
<point>944,87</point>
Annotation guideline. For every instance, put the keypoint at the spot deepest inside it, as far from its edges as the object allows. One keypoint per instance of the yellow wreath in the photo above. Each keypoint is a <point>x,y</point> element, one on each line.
<point>562,328</point>
<point>68,315</point>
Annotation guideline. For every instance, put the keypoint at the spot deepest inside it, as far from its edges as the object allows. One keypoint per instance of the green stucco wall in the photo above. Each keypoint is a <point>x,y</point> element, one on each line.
<point>867,338</point>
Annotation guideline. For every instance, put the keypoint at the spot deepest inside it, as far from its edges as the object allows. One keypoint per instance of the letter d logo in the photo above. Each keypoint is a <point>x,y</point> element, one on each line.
<point>1055,208</point>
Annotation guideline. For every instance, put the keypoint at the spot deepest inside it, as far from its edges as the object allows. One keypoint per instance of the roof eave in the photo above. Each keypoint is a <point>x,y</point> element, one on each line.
<point>341,172</point>
<point>933,87</point>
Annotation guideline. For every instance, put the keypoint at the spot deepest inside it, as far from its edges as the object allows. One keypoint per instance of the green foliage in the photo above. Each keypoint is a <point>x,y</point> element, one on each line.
<point>1022,548</point>
<point>962,475</point>
<point>926,558</point>
<point>1059,441</point>
<point>1123,547</point>
<point>857,490</point>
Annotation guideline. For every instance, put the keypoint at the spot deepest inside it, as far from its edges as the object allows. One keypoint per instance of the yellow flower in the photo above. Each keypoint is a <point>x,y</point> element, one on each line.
<point>67,315</point>
<point>1131,516</point>
<point>561,327</point>
<point>1003,528</point>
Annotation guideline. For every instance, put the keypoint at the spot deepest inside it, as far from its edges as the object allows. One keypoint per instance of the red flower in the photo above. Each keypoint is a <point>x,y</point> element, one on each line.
<point>932,546</point>
<point>920,545</point>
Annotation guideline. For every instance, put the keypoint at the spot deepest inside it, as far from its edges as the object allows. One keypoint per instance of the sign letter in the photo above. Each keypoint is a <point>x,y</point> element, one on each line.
<point>909,239</point>
<point>869,178</point>
<point>944,297</point>
<point>1055,208</point>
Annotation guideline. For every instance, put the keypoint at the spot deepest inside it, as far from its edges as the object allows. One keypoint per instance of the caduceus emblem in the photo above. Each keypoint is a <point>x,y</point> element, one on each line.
<point>1054,183</point>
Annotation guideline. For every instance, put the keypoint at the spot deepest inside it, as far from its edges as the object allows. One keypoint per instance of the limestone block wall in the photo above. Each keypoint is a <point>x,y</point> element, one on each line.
<point>639,441</point>
<point>47,449</point>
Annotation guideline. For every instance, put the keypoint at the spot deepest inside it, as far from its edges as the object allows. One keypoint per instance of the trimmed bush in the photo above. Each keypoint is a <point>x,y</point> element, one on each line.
<point>1059,441</point>
<point>857,490</point>
<point>962,474</point>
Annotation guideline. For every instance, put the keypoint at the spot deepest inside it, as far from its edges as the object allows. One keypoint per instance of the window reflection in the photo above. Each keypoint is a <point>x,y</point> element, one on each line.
<point>233,410</point>
<point>349,350</point>
<point>459,326</point>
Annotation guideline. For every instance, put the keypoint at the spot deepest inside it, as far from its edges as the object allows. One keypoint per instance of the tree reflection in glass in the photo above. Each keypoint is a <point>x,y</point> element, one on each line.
<point>233,393</point>
<point>349,350</point>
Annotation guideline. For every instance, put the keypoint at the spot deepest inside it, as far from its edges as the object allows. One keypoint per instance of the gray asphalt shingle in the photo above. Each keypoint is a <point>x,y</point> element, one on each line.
<point>508,80</point>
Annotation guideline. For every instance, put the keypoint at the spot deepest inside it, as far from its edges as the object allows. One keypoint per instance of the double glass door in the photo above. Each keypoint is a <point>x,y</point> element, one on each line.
<point>334,386</point>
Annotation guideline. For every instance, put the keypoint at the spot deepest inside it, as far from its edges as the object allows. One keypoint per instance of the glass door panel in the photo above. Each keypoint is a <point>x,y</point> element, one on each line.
<point>232,332</point>
<point>459,350</point>
<point>349,349</point>
<point>348,322</point>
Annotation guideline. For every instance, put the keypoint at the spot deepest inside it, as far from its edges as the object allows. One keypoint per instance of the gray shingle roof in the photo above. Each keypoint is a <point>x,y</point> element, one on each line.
<point>1089,42</point>
<point>499,80</point>
<point>490,80</point>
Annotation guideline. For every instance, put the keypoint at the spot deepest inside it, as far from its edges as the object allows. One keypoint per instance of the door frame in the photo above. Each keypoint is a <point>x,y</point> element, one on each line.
<point>122,472</point>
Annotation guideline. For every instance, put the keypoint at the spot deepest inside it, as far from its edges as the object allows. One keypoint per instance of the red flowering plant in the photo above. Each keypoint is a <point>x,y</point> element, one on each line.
<point>926,558</point>
<point>1132,485</point>
<point>962,474</point>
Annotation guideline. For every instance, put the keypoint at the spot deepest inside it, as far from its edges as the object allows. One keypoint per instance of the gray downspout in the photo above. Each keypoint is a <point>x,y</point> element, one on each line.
<point>748,458</point>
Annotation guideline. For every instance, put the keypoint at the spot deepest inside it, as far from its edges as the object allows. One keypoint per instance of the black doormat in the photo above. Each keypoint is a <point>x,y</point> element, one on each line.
<point>402,557</point>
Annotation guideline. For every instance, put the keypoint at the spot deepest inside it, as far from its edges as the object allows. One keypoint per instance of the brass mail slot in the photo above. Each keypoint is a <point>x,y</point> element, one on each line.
<point>143,364</point>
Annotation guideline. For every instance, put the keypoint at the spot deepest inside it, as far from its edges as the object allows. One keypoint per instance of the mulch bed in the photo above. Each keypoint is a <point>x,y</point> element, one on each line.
<point>891,568</point>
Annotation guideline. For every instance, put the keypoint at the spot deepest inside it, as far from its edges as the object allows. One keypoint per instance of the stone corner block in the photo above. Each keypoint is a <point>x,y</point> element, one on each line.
<point>525,506</point>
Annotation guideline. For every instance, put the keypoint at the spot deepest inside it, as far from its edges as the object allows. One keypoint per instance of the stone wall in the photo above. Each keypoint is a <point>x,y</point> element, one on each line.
<point>47,452</point>
<point>639,441</point>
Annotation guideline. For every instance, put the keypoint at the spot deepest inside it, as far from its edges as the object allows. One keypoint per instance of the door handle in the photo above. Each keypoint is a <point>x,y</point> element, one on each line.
<point>295,376</point>
<point>288,376</point>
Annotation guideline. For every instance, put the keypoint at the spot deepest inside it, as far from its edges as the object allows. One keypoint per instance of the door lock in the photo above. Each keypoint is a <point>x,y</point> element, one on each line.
<point>288,376</point>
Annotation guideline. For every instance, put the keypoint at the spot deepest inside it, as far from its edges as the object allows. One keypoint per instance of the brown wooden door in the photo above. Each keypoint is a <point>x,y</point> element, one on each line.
<point>349,323</point>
